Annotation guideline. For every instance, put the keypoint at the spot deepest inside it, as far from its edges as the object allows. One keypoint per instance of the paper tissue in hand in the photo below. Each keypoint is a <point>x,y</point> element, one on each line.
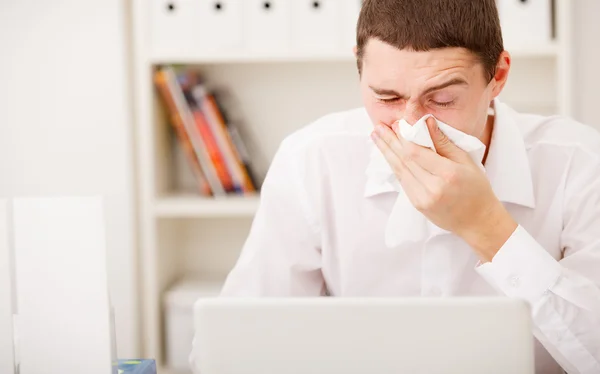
<point>406,222</point>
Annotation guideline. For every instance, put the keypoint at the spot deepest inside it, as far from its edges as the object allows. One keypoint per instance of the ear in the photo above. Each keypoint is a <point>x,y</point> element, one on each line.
<point>355,51</point>
<point>501,76</point>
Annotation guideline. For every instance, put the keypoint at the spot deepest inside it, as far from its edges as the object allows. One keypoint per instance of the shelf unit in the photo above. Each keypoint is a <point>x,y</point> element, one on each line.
<point>550,49</point>
<point>192,206</point>
<point>271,92</point>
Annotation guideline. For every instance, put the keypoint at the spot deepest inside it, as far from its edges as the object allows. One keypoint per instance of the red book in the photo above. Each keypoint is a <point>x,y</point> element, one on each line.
<point>214,117</point>
<point>183,137</point>
<point>213,150</point>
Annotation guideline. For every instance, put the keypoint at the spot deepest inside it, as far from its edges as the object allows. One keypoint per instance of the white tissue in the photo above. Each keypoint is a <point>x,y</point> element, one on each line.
<point>405,222</point>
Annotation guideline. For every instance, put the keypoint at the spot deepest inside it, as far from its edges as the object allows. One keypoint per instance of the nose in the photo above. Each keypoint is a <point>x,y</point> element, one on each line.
<point>413,112</point>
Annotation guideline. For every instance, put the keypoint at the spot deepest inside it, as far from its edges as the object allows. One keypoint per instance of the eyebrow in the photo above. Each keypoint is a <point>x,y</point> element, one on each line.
<point>451,82</point>
<point>385,92</point>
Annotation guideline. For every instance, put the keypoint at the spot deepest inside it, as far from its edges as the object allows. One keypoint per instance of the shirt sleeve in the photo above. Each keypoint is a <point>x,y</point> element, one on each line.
<point>564,295</point>
<point>281,256</point>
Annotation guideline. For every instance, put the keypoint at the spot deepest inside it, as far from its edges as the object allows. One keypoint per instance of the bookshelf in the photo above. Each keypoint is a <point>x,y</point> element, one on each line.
<point>189,205</point>
<point>276,82</point>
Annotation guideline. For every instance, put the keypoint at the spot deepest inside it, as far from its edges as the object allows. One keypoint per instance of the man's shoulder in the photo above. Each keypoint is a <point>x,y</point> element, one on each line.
<point>337,126</point>
<point>559,133</point>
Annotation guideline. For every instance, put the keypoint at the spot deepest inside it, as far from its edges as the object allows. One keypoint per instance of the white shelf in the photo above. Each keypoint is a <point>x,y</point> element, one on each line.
<point>550,49</point>
<point>190,288</point>
<point>269,93</point>
<point>181,206</point>
<point>189,57</point>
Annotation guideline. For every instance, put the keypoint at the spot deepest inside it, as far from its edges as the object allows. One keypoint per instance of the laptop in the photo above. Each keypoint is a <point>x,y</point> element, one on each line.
<point>358,336</point>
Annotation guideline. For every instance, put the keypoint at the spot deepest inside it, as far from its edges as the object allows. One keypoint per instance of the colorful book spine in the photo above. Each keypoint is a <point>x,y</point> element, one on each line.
<point>176,121</point>
<point>239,145</point>
<point>213,150</point>
<point>191,127</point>
<point>207,103</point>
<point>187,81</point>
<point>242,152</point>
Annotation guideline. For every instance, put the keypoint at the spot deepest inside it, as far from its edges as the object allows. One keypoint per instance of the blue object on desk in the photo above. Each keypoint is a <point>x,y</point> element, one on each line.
<point>136,366</point>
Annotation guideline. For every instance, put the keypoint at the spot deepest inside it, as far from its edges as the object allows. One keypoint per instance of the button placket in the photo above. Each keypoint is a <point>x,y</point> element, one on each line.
<point>435,267</point>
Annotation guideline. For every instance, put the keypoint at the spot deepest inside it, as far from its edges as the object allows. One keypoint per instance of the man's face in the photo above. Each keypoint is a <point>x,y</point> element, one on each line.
<point>447,83</point>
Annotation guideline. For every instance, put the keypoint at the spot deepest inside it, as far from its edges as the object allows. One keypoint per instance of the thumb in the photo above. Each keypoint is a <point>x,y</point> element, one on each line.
<point>443,145</point>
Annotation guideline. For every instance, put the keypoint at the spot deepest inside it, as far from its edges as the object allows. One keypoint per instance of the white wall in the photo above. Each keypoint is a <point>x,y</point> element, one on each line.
<point>586,61</point>
<point>65,124</point>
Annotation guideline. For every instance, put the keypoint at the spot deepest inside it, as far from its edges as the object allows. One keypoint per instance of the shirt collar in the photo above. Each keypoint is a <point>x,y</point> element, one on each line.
<point>507,163</point>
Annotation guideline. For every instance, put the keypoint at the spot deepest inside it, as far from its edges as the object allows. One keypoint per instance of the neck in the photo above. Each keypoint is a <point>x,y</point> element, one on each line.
<point>486,137</point>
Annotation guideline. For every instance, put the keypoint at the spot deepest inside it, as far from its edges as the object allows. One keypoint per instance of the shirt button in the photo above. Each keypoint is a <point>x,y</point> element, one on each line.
<point>514,281</point>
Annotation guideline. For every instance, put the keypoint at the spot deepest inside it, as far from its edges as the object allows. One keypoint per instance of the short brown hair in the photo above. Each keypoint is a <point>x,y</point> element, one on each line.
<point>422,25</point>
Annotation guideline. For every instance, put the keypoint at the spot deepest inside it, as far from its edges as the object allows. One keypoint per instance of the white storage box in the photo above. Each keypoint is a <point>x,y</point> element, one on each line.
<point>176,26</point>
<point>267,25</point>
<point>178,304</point>
<point>525,23</point>
<point>350,12</point>
<point>316,25</point>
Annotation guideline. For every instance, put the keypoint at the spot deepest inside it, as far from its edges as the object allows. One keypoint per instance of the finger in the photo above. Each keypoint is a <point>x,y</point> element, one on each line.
<point>390,138</point>
<point>426,158</point>
<point>443,145</point>
<point>412,158</point>
<point>390,156</point>
<point>411,186</point>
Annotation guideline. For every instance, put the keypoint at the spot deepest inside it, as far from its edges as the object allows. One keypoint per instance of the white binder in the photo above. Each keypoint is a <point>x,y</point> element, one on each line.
<point>6,294</point>
<point>525,23</point>
<point>267,25</point>
<point>56,249</point>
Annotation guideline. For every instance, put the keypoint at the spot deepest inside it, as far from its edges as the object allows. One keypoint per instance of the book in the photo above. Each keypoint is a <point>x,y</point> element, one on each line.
<point>237,139</point>
<point>208,104</point>
<point>189,123</point>
<point>183,136</point>
<point>242,152</point>
<point>213,150</point>
<point>213,146</point>
<point>187,83</point>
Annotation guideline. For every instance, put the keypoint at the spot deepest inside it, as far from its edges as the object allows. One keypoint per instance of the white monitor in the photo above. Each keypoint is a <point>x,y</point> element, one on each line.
<point>6,292</point>
<point>357,336</point>
<point>58,290</point>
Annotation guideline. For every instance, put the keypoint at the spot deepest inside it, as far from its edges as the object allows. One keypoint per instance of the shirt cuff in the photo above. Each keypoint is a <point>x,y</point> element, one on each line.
<point>522,268</point>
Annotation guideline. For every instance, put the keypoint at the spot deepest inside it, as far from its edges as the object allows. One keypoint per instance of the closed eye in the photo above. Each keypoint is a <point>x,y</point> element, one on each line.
<point>389,100</point>
<point>444,104</point>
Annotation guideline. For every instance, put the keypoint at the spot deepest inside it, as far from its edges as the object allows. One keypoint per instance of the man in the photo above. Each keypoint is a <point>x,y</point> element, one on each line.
<point>527,227</point>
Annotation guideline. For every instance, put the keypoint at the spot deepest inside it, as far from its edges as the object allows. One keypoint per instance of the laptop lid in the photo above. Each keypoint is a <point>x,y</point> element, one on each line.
<point>342,335</point>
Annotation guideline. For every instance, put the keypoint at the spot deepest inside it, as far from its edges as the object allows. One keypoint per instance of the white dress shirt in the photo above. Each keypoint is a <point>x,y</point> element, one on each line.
<point>320,230</point>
